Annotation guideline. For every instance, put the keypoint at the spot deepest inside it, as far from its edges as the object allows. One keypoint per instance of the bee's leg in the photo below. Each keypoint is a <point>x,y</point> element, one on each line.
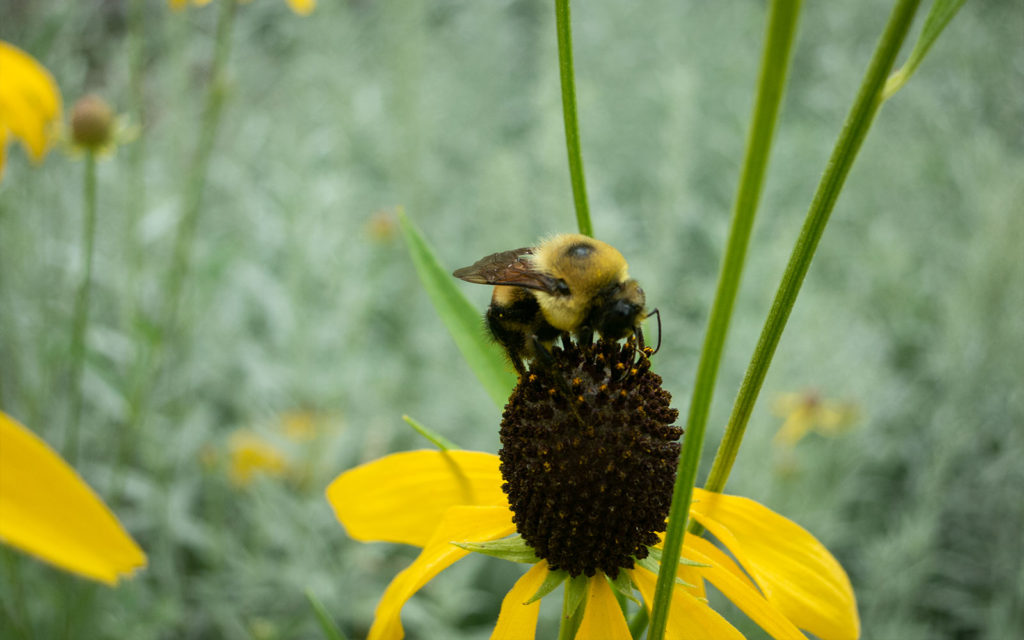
<point>540,352</point>
<point>566,340</point>
<point>657,314</point>
<point>517,362</point>
<point>585,336</point>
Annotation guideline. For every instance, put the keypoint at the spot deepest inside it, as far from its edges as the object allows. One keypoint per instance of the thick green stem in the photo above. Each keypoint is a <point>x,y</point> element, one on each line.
<point>845,152</point>
<point>779,35</point>
<point>563,24</point>
<point>80,322</point>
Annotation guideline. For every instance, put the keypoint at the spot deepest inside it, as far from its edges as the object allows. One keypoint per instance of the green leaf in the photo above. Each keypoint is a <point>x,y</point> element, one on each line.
<point>551,582</point>
<point>439,441</point>
<point>331,630</point>
<point>512,548</point>
<point>941,13</point>
<point>462,319</point>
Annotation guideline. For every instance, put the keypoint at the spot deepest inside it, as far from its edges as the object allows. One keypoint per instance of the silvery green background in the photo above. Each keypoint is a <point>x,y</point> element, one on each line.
<point>913,309</point>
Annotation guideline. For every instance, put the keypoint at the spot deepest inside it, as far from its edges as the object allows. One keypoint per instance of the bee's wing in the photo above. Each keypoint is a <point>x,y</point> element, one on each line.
<point>509,268</point>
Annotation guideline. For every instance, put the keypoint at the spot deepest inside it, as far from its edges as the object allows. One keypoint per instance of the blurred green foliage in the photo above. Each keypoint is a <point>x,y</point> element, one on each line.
<point>302,297</point>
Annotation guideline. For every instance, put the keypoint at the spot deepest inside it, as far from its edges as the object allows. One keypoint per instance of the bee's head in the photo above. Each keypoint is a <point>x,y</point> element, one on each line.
<point>617,314</point>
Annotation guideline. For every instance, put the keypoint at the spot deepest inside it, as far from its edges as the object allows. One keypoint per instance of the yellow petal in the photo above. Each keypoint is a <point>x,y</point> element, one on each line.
<point>29,101</point>
<point>602,619</point>
<point>724,574</point>
<point>796,573</point>
<point>518,620</point>
<point>458,524</point>
<point>47,510</point>
<point>401,497</point>
<point>302,7</point>
<point>689,618</point>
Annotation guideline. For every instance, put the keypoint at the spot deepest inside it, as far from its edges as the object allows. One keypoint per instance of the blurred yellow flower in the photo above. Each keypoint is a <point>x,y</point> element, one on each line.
<point>299,426</point>
<point>30,103</point>
<point>449,502</point>
<point>252,455</point>
<point>808,411</point>
<point>382,225</point>
<point>300,7</point>
<point>47,510</point>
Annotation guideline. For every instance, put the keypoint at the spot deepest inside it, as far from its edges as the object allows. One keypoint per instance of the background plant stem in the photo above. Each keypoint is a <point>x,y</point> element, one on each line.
<point>81,314</point>
<point>181,258</point>
<point>845,152</point>
<point>779,35</point>
<point>563,25</point>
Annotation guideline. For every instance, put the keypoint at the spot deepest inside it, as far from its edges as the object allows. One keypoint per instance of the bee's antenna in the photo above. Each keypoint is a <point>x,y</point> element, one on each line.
<point>658,314</point>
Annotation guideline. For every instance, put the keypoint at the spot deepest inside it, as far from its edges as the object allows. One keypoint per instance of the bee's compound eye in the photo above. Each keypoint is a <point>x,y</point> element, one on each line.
<point>561,287</point>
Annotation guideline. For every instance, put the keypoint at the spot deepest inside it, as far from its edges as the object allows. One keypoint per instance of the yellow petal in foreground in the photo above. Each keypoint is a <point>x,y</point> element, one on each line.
<point>602,619</point>
<point>47,510</point>
<point>30,102</point>
<point>726,576</point>
<point>518,620</point>
<point>401,497</point>
<point>688,618</point>
<point>458,524</point>
<point>797,574</point>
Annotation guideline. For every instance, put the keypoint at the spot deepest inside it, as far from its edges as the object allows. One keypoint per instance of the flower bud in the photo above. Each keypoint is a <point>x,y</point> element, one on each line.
<point>92,122</point>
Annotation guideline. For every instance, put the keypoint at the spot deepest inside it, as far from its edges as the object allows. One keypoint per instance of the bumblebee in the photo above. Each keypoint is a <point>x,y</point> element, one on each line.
<point>570,284</point>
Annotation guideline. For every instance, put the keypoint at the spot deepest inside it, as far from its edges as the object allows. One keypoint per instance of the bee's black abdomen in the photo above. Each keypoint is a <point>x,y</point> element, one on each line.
<point>517,325</point>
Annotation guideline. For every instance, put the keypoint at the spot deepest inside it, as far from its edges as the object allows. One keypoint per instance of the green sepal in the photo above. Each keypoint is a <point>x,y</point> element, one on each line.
<point>653,566</point>
<point>435,438</point>
<point>551,582</point>
<point>574,606</point>
<point>512,548</point>
<point>624,585</point>
<point>656,555</point>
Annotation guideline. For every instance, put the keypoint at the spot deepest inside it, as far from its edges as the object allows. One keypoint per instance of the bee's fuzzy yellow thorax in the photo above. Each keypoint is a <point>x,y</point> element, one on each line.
<point>586,265</point>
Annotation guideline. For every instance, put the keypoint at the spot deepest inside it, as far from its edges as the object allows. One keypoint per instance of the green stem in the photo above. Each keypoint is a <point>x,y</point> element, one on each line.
<point>855,129</point>
<point>563,24</point>
<point>182,255</point>
<point>80,320</point>
<point>780,33</point>
<point>137,151</point>
<point>181,258</point>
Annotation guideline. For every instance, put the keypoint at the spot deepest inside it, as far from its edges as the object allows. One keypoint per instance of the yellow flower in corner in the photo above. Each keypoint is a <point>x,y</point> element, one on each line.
<point>30,103</point>
<point>47,510</point>
<point>299,7</point>
<point>580,490</point>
